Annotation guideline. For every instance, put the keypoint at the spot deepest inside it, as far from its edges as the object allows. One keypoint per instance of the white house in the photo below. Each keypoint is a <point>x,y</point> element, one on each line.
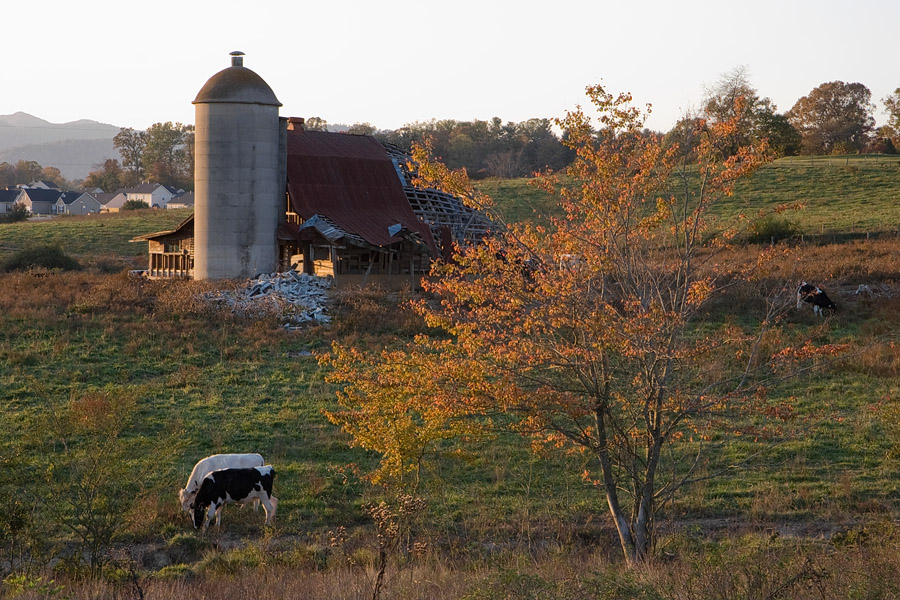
<point>155,195</point>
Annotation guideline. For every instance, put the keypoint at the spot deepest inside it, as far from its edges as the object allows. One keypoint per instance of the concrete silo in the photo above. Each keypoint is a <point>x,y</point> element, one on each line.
<point>238,175</point>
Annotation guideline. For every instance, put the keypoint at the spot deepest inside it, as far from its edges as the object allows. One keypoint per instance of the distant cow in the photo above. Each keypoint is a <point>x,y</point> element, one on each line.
<point>229,486</point>
<point>816,296</point>
<point>210,464</point>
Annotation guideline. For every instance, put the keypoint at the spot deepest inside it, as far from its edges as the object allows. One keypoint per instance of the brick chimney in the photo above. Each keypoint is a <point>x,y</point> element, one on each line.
<point>295,124</point>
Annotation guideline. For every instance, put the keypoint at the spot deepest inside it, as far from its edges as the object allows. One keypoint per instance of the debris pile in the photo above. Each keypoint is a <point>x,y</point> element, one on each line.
<point>296,298</point>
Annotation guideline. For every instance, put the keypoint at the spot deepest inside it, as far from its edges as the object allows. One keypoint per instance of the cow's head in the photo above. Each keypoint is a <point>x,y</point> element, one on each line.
<point>186,499</point>
<point>199,515</point>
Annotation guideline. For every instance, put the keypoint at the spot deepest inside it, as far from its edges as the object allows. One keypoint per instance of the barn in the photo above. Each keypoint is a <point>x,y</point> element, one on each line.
<point>320,202</point>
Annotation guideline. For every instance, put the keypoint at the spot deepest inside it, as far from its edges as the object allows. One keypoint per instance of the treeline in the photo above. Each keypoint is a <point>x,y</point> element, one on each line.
<point>487,148</point>
<point>164,153</point>
<point>834,118</point>
<point>26,171</point>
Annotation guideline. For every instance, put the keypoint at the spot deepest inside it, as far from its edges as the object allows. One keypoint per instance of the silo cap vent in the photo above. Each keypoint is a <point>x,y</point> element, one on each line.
<point>237,58</point>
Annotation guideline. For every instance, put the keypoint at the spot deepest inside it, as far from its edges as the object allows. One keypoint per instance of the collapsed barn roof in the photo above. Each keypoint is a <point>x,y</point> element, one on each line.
<point>353,184</point>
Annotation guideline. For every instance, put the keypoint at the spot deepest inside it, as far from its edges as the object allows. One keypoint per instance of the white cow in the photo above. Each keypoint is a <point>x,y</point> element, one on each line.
<point>212,463</point>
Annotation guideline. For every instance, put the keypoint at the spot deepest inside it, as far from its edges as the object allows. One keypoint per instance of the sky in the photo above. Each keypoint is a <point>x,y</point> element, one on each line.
<point>133,64</point>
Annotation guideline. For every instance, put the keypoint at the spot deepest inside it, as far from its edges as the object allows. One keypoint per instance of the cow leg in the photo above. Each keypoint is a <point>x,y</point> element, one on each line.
<point>210,514</point>
<point>269,503</point>
<point>218,515</point>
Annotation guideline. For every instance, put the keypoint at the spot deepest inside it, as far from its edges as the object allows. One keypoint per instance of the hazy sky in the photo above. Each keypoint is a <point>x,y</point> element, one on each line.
<point>391,63</point>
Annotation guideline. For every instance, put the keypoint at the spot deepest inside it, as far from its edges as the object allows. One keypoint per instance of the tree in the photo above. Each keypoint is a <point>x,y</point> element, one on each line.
<point>733,98</point>
<point>109,176</point>
<point>28,171</point>
<point>315,124</point>
<point>892,104</point>
<point>168,154</point>
<point>835,117</point>
<point>590,334</point>
<point>361,129</point>
<point>130,144</point>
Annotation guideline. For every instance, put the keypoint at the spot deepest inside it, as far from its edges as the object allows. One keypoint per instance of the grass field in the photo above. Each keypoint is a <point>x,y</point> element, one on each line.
<point>842,196</point>
<point>104,373</point>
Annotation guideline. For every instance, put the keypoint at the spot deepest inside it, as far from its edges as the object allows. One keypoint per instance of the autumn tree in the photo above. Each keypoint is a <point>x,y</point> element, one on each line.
<point>586,334</point>
<point>109,176</point>
<point>835,117</point>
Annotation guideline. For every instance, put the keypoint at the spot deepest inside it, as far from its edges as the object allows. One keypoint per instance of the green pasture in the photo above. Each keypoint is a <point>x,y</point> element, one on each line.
<point>206,381</point>
<point>846,196</point>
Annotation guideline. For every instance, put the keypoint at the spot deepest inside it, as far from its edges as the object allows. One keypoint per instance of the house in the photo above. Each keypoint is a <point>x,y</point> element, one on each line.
<point>154,195</point>
<point>41,184</point>
<point>181,200</point>
<point>39,201</point>
<point>114,203</point>
<point>352,213</point>
<point>7,199</point>
<point>77,203</point>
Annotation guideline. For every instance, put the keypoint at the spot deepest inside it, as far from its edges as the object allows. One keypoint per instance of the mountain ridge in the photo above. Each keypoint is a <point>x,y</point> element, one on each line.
<point>74,147</point>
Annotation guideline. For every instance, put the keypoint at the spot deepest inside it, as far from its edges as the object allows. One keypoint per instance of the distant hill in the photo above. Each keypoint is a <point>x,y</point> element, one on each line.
<point>73,147</point>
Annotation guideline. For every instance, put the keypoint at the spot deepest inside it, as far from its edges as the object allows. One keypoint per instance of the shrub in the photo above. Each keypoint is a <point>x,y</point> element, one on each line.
<point>45,257</point>
<point>17,213</point>
<point>135,205</point>
<point>175,572</point>
<point>773,229</point>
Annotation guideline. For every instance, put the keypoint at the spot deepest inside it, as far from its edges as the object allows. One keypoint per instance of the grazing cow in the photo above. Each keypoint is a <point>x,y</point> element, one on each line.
<point>229,486</point>
<point>816,296</point>
<point>210,464</point>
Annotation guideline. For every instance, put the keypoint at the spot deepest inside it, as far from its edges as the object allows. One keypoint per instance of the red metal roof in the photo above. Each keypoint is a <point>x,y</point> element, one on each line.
<point>351,180</point>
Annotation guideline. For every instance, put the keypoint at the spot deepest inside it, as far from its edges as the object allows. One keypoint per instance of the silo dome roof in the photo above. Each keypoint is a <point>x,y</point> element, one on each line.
<point>236,84</point>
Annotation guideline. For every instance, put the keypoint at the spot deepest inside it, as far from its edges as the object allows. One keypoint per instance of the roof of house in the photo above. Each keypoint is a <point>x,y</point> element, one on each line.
<point>70,197</point>
<point>185,198</point>
<point>45,183</point>
<point>105,197</point>
<point>9,195</point>
<point>117,201</point>
<point>146,188</point>
<point>42,195</point>
<point>351,181</point>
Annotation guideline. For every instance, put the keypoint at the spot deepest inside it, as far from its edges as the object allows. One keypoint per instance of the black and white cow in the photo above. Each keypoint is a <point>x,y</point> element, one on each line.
<point>816,296</point>
<point>228,486</point>
<point>214,463</point>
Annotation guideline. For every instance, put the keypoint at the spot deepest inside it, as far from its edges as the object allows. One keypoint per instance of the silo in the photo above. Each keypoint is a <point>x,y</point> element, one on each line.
<point>237,192</point>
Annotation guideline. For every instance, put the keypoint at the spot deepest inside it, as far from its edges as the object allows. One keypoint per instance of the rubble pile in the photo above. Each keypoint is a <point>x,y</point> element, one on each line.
<point>296,298</point>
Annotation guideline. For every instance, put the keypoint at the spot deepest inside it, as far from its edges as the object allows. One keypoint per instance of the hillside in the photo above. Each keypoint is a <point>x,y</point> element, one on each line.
<point>160,379</point>
<point>841,195</point>
<point>73,147</point>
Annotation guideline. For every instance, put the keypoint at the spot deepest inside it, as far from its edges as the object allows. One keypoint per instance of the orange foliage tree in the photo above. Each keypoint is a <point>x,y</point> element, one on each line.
<point>588,333</point>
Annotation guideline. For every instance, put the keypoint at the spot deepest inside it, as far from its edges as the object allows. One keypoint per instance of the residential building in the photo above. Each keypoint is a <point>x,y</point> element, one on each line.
<point>77,203</point>
<point>40,201</point>
<point>8,198</point>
